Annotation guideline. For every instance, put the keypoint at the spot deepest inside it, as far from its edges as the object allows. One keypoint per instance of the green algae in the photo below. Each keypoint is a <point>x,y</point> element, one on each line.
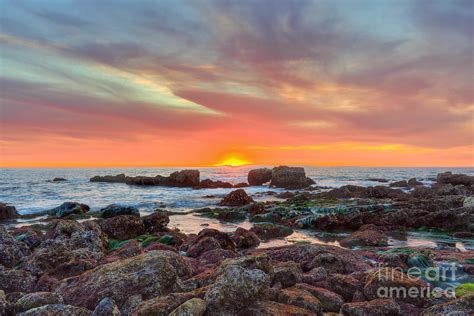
<point>464,289</point>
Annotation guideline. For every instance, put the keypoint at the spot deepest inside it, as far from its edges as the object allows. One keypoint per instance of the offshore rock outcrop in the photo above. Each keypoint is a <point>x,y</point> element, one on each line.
<point>183,178</point>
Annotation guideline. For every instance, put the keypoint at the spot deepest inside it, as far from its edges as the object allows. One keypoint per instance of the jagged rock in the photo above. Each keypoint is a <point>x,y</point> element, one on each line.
<point>113,210</point>
<point>460,306</point>
<point>268,231</point>
<point>301,298</point>
<point>192,307</point>
<point>236,198</point>
<point>7,212</point>
<point>245,238</point>
<point>344,285</point>
<point>122,227</point>
<point>13,280</point>
<point>106,307</point>
<point>156,222</point>
<point>161,305</point>
<point>211,184</point>
<point>151,274</point>
<point>413,183</point>
<point>12,251</point>
<point>28,235</point>
<point>368,235</point>
<point>57,310</point>
<point>330,301</point>
<point>259,176</point>
<point>290,178</point>
<point>455,179</point>
<point>235,288</point>
<point>37,299</point>
<point>377,307</point>
<point>69,208</point>
<point>287,273</point>
<point>400,184</point>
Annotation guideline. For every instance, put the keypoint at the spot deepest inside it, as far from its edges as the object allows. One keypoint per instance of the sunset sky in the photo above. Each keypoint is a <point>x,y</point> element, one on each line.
<point>200,83</point>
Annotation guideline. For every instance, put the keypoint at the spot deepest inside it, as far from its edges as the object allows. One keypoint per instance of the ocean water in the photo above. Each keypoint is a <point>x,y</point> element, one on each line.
<point>31,190</point>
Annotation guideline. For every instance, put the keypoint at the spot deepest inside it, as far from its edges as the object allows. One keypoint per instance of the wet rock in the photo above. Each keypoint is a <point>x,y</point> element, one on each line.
<point>290,178</point>
<point>12,251</point>
<point>211,184</point>
<point>235,288</point>
<point>377,307</point>
<point>460,306</point>
<point>184,178</point>
<point>387,278</point>
<point>400,184</point>
<point>455,179</point>
<point>236,198</point>
<point>59,179</point>
<point>7,212</point>
<point>287,273</point>
<point>268,308</point>
<point>106,307</point>
<point>122,227</point>
<point>367,235</point>
<point>13,280</point>
<point>223,214</point>
<point>120,178</point>
<point>151,274</point>
<point>245,238</point>
<point>259,176</point>
<point>192,307</point>
<point>156,222</point>
<point>37,299</point>
<point>330,301</point>
<point>466,235</point>
<point>69,208</point>
<point>300,298</point>
<point>57,310</point>
<point>113,210</point>
<point>268,231</point>
<point>413,183</point>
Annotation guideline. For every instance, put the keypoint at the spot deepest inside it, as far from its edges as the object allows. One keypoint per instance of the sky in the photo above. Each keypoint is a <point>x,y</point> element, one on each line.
<point>214,82</point>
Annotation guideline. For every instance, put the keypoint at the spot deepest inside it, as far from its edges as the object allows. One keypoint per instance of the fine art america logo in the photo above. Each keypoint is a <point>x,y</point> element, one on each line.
<point>431,274</point>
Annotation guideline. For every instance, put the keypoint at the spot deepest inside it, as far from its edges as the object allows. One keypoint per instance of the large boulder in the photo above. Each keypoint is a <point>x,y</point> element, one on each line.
<point>236,288</point>
<point>69,208</point>
<point>236,198</point>
<point>156,222</point>
<point>367,235</point>
<point>122,227</point>
<point>106,307</point>
<point>287,273</point>
<point>330,301</point>
<point>113,210</point>
<point>244,238</point>
<point>192,307</point>
<point>7,212</point>
<point>37,299</point>
<point>16,280</point>
<point>268,231</point>
<point>12,251</point>
<point>57,310</point>
<point>211,184</point>
<point>377,307</point>
<point>184,178</point>
<point>290,178</point>
<point>120,178</point>
<point>455,179</point>
<point>151,274</point>
<point>259,176</point>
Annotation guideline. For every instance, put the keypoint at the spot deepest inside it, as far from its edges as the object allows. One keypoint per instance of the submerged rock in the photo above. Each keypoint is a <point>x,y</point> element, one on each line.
<point>236,198</point>
<point>59,179</point>
<point>290,178</point>
<point>7,212</point>
<point>400,184</point>
<point>120,178</point>
<point>259,176</point>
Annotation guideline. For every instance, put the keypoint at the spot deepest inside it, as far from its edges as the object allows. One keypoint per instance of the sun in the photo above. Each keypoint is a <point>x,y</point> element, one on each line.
<point>232,161</point>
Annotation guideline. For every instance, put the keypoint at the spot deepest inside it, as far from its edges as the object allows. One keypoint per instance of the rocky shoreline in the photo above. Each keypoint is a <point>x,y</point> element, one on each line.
<point>116,262</point>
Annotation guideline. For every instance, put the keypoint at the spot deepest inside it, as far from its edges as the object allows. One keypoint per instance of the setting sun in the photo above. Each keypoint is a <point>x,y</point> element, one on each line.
<point>232,161</point>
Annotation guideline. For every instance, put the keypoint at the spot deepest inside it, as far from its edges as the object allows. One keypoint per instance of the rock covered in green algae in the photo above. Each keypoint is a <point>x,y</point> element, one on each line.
<point>116,210</point>
<point>150,274</point>
<point>192,307</point>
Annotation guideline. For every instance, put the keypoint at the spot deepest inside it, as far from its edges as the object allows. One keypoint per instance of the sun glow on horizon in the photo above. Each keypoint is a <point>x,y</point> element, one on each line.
<point>232,161</point>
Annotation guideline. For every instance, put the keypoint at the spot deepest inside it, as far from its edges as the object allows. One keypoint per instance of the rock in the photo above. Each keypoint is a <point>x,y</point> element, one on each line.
<point>315,275</point>
<point>13,280</point>
<point>468,201</point>
<point>466,235</point>
<point>290,178</point>
<point>69,208</point>
<point>216,256</point>
<point>400,184</point>
<point>151,274</point>
<point>413,183</point>
<point>12,251</point>
<point>161,305</point>
<point>6,307</point>
<point>184,178</point>
<point>236,198</point>
<point>455,179</point>
<point>268,231</point>
<point>371,237</point>
<point>287,273</point>
<point>28,235</point>
<point>120,178</point>
<point>208,239</point>
<point>59,179</point>
<point>381,180</point>
<point>37,299</point>
<point>113,210</point>
<point>269,308</point>
<point>300,298</point>
<point>259,176</point>
<point>380,282</point>
<point>122,227</point>
<point>344,285</point>
<point>236,288</point>
<point>353,191</point>
<point>7,212</point>
<point>192,307</point>
<point>330,301</point>
<point>460,306</point>
<point>106,307</point>
<point>57,310</point>
<point>210,184</point>
<point>260,262</point>
<point>245,238</point>
<point>377,307</point>
<point>156,222</point>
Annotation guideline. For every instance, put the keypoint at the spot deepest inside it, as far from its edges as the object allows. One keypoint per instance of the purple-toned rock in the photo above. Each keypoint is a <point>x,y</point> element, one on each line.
<point>259,176</point>
<point>211,184</point>
<point>244,238</point>
<point>375,307</point>
<point>122,227</point>
<point>236,198</point>
<point>156,222</point>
